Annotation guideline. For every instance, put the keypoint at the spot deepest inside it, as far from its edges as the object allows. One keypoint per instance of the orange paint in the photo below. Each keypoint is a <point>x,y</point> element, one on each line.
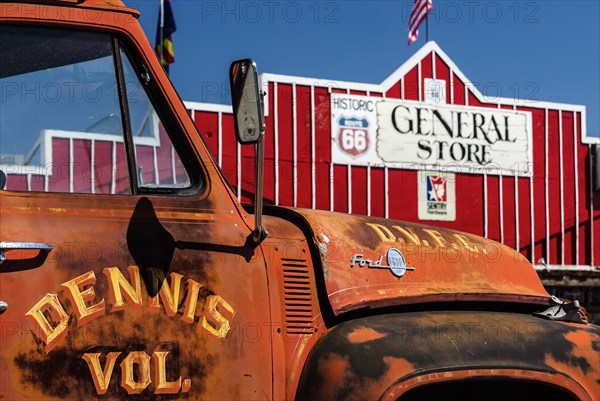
<point>363,335</point>
<point>333,369</point>
<point>584,362</point>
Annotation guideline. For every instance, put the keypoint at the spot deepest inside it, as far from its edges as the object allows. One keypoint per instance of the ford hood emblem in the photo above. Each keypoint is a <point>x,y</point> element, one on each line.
<point>397,263</point>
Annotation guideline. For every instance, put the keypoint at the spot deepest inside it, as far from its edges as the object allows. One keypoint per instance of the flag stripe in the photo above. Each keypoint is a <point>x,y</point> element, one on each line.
<point>418,9</point>
<point>413,25</point>
<point>417,15</point>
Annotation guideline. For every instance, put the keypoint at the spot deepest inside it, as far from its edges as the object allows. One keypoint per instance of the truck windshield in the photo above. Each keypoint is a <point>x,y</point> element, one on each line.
<point>61,128</point>
<point>57,80</point>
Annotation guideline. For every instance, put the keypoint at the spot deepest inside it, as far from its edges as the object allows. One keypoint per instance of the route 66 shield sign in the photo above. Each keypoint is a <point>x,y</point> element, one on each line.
<point>353,136</point>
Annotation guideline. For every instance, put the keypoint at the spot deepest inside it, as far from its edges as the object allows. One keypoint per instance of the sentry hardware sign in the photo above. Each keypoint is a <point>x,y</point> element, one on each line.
<point>437,196</point>
<point>413,135</point>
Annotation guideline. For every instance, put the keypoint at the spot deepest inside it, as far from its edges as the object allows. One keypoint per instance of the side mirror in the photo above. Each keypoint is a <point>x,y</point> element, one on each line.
<point>248,116</point>
<point>246,101</point>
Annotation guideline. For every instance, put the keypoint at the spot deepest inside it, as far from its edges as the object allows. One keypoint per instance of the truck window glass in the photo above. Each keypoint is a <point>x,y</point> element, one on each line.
<point>60,120</point>
<point>158,164</point>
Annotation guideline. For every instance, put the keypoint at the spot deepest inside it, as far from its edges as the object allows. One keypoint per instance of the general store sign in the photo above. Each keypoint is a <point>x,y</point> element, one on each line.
<point>413,135</point>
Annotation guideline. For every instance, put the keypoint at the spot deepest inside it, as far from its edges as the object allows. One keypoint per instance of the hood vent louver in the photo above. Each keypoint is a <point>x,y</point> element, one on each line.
<point>298,297</point>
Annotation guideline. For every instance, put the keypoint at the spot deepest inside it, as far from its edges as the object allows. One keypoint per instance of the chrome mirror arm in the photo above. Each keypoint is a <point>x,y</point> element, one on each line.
<point>259,233</point>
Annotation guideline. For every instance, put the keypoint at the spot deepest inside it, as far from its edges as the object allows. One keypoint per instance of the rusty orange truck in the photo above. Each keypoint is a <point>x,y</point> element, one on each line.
<point>128,269</point>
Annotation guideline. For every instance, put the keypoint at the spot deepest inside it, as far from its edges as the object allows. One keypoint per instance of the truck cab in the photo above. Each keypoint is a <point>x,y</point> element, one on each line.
<point>128,268</point>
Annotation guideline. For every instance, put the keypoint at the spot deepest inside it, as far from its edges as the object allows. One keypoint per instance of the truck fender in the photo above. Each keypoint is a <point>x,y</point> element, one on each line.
<point>364,359</point>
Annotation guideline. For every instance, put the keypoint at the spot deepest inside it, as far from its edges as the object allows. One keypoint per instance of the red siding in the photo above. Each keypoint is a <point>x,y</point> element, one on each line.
<point>509,211</point>
<point>469,190</point>
<point>286,168</point>
<point>304,167</point>
<point>229,165</point>
<point>524,205</point>
<point>123,185</point>
<point>403,194</point>
<point>359,190</point>
<point>59,179</point>
<point>568,187</point>
<point>458,89</point>
<point>442,71</point>
<point>378,191</point>
<point>493,204</point>
<point>585,226</point>
<point>81,166</point>
<point>103,152</point>
<point>411,84</point>
<point>269,167</point>
<point>322,148</point>
<point>426,72</point>
<point>553,187</point>
<point>16,182</point>
<point>395,91</point>
<point>340,188</point>
<point>208,125</point>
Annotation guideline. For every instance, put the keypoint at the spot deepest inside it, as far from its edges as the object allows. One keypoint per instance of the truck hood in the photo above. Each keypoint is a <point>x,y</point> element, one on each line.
<point>372,263</point>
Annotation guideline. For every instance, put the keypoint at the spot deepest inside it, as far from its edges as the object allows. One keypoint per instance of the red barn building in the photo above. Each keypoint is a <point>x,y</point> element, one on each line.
<point>518,171</point>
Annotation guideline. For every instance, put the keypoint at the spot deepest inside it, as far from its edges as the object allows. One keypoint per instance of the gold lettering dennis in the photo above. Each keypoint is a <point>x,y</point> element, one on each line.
<point>52,318</point>
<point>80,298</point>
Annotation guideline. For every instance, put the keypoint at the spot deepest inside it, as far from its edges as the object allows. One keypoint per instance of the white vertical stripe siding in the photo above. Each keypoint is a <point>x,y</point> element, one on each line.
<point>313,165</point>
<point>71,162</point>
<point>576,162</point>
<point>501,208</point>
<point>295,145</point>
<point>561,189</point>
<point>219,140</point>
<point>591,200</point>
<point>485,206</point>
<point>276,141</point>
<point>547,239</point>
<point>93,166</point>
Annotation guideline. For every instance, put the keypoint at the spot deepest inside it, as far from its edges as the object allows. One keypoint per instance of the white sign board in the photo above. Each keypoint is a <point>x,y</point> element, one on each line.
<point>435,91</point>
<point>405,134</point>
<point>437,196</point>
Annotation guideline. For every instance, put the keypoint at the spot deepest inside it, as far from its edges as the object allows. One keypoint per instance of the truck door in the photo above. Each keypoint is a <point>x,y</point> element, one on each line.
<point>124,267</point>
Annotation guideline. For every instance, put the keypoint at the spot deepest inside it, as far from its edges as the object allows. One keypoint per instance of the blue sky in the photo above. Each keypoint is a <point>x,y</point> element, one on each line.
<point>543,50</point>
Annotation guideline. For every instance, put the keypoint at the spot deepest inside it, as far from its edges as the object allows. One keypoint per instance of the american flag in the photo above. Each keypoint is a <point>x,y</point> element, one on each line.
<point>417,15</point>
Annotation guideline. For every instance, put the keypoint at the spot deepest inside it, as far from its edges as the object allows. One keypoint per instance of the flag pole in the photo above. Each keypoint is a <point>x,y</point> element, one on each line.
<point>427,27</point>
<point>162,26</point>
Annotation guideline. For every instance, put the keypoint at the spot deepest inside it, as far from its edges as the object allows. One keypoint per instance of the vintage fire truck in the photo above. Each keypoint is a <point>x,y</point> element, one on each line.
<point>128,269</point>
